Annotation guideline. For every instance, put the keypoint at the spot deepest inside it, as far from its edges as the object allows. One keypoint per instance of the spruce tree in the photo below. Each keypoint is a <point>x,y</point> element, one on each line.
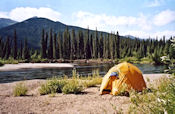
<point>111,46</point>
<point>50,51</point>
<point>54,47</point>
<point>43,49</point>
<point>66,44</point>
<point>101,45</point>
<point>6,49</point>
<point>91,44</point>
<point>80,44</point>
<point>1,47</point>
<point>26,53</point>
<point>86,41</point>
<point>73,45</point>
<point>59,45</point>
<point>166,49</point>
<point>15,48</point>
<point>107,47</point>
<point>104,47</point>
<point>172,52</point>
<point>21,50</point>
<point>118,45</point>
<point>46,46</point>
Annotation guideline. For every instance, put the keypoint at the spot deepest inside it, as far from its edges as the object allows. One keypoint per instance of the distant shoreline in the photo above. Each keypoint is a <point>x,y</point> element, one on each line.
<point>9,67</point>
<point>81,61</point>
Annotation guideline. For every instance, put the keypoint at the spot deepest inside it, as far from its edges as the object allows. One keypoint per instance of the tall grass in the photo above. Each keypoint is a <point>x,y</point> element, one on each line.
<point>20,90</point>
<point>160,100</point>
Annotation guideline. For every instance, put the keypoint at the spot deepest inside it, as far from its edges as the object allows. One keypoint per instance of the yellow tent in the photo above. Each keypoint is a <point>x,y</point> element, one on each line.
<point>128,74</point>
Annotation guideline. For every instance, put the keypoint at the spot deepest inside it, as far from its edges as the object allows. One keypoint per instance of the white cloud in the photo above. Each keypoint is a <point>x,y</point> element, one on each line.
<point>3,15</point>
<point>103,21</point>
<point>143,34</point>
<point>155,3</point>
<point>164,17</point>
<point>22,13</point>
<point>137,33</point>
<point>140,26</point>
<point>166,33</point>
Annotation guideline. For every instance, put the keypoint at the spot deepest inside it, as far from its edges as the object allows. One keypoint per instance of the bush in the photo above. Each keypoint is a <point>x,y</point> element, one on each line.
<point>44,89</point>
<point>52,86</point>
<point>20,90</point>
<point>72,86</point>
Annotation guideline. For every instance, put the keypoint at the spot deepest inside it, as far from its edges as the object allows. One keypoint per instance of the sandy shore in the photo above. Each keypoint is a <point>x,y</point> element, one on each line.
<point>88,102</point>
<point>7,67</point>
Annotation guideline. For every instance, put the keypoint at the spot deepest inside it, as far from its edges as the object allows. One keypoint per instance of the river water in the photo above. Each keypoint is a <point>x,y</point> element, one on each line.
<point>82,69</point>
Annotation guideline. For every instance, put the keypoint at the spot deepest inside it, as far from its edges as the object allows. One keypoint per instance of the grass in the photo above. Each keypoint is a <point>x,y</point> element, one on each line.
<point>160,100</point>
<point>73,85</point>
<point>129,59</point>
<point>20,90</point>
<point>145,60</point>
<point>38,59</point>
<point>9,61</point>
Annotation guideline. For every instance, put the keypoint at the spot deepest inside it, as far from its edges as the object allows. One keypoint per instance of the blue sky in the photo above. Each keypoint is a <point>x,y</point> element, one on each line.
<point>140,18</point>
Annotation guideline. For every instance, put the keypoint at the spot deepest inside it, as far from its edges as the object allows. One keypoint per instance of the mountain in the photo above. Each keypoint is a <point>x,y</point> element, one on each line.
<point>130,36</point>
<point>32,30</point>
<point>4,22</point>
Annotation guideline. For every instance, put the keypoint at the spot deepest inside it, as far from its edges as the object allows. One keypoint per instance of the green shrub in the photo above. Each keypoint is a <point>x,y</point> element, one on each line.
<point>52,86</point>
<point>56,85</point>
<point>20,90</point>
<point>44,89</point>
<point>72,86</point>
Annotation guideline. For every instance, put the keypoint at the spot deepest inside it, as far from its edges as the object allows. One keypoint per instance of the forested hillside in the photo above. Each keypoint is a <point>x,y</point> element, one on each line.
<point>73,45</point>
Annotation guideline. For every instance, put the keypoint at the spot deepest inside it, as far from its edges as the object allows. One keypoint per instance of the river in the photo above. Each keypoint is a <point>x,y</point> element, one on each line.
<point>82,69</point>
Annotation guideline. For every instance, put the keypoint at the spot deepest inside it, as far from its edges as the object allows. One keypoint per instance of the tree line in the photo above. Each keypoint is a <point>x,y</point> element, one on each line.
<point>85,44</point>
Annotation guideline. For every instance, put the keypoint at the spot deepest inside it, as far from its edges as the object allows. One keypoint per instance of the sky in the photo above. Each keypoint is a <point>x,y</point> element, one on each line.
<point>140,18</point>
